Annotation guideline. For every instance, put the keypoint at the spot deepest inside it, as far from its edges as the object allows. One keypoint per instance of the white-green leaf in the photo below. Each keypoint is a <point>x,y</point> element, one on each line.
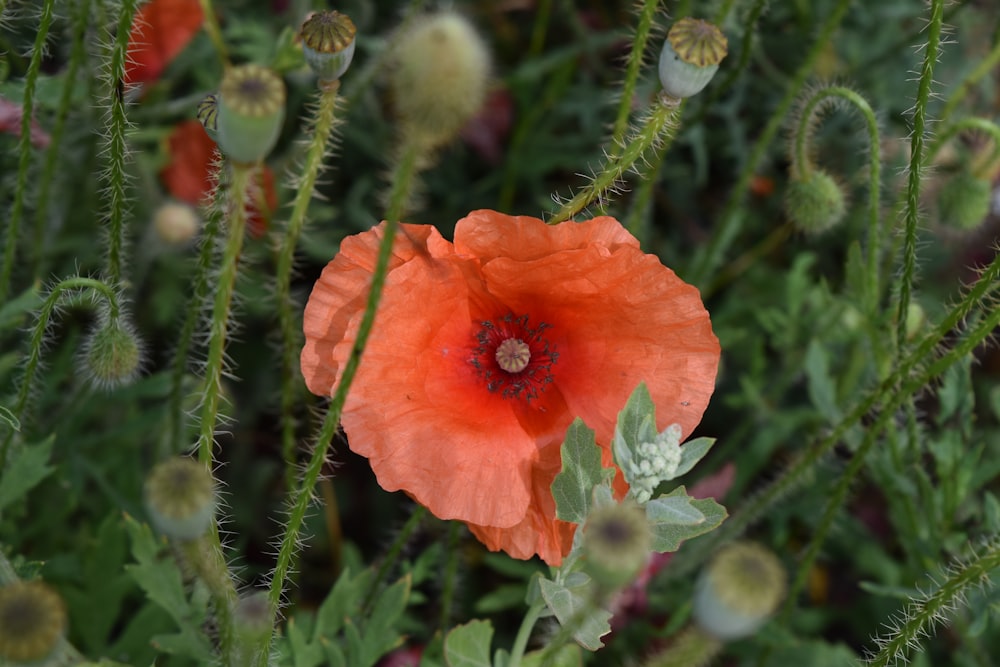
<point>469,645</point>
<point>693,451</point>
<point>581,472</point>
<point>575,605</point>
<point>676,517</point>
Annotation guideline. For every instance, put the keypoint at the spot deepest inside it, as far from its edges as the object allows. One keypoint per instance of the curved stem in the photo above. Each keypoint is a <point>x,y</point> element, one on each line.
<point>24,149</point>
<point>985,66</point>
<point>524,632</point>
<point>659,126</point>
<point>915,171</point>
<point>323,123</point>
<point>973,124</point>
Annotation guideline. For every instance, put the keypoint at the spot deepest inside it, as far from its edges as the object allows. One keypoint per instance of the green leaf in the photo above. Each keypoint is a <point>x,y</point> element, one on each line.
<point>573,603</point>
<point>304,652</point>
<point>581,472</point>
<point>822,391</point>
<point>693,451</point>
<point>379,635</point>
<point>676,517</point>
<point>567,655</point>
<point>636,423</point>
<point>28,468</point>
<point>469,645</point>
<point>343,601</point>
<point>12,313</point>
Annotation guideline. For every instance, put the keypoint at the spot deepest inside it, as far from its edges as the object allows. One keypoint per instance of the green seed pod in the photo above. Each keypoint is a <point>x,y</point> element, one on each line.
<point>739,590</point>
<point>328,44</point>
<point>815,202</point>
<point>965,200</point>
<point>438,75</point>
<point>616,543</point>
<point>180,498</point>
<point>32,621</point>
<point>208,114</point>
<point>251,110</point>
<point>112,353</point>
<point>690,57</point>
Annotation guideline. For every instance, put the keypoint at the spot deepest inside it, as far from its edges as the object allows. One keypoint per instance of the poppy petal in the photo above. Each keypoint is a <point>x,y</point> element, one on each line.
<point>160,30</point>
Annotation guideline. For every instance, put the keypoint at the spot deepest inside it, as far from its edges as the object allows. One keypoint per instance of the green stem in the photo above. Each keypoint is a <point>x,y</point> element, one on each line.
<point>323,124</point>
<point>116,147</point>
<point>929,611</point>
<point>77,56</point>
<point>524,632</point>
<point>205,556</point>
<point>917,139</point>
<point>973,124</point>
<point>211,26</point>
<point>450,574</point>
<point>225,286</point>
<point>802,164</point>
<point>401,185</point>
<point>543,13</point>
<point>37,341</point>
<point>659,126</point>
<point>24,149</point>
<point>632,67</point>
<point>732,217</point>
<point>393,553</point>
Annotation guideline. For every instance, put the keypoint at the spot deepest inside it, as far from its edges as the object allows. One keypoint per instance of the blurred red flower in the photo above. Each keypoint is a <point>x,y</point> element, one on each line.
<point>11,115</point>
<point>160,30</point>
<point>484,351</point>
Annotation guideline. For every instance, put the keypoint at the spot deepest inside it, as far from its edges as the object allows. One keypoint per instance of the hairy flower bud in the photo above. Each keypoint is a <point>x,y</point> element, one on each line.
<point>815,202</point>
<point>112,353</point>
<point>180,498</point>
<point>965,200</point>
<point>176,223</point>
<point>251,110</point>
<point>328,44</point>
<point>690,57</point>
<point>32,620</point>
<point>616,543</point>
<point>739,590</point>
<point>438,74</point>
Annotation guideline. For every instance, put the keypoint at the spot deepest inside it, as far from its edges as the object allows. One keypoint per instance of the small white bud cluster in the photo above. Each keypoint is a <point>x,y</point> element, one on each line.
<point>655,462</point>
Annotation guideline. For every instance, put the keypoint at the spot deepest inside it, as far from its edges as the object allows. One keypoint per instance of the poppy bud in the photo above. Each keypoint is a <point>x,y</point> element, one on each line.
<point>616,543</point>
<point>112,353</point>
<point>438,75</point>
<point>252,625</point>
<point>251,111</point>
<point>965,200</point>
<point>180,498</point>
<point>739,590</point>
<point>815,202</point>
<point>208,114</point>
<point>328,44</point>
<point>32,621</point>
<point>691,56</point>
<point>176,223</point>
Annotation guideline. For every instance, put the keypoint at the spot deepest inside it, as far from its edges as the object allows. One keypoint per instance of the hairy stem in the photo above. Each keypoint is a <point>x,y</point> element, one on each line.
<point>632,67</point>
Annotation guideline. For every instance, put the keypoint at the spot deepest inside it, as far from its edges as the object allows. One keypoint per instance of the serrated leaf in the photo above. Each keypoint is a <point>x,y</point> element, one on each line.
<point>822,391</point>
<point>581,472</point>
<point>676,517</point>
<point>25,471</point>
<point>343,601</point>
<point>469,645</point>
<point>334,656</point>
<point>379,636</point>
<point>574,605</point>
<point>186,643</point>
<point>567,655</point>
<point>304,652</point>
<point>693,451</point>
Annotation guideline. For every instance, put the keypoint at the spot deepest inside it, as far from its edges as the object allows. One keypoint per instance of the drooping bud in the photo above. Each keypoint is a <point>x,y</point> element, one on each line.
<point>438,75</point>
<point>815,202</point>
<point>208,114</point>
<point>328,44</point>
<point>176,223</point>
<point>965,200</point>
<point>739,590</point>
<point>252,625</point>
<point>180,498</point>
<point>690,57</point>
<point>616,543</point>
<point>32,620</point>
<point>251,110</point>
<point>112,353</point>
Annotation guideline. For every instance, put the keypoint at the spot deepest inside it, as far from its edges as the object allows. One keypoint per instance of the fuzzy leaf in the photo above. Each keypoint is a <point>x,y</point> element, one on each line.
<point>469,645</point>
<point>29,468</point>
<point>573,602</point>
<point>567,655</point>
<point>636,425</point>
<point>676,517</point>
<point>343,601</point>
<point>581,472</point>
<point>693,451</point>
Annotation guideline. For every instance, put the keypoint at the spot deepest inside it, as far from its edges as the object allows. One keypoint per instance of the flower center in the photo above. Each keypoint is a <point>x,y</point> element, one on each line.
<point>512,358</point>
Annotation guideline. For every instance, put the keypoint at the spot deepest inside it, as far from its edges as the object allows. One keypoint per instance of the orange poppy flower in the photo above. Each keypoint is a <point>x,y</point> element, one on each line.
<point>160,31</point>
<point>484,351</point>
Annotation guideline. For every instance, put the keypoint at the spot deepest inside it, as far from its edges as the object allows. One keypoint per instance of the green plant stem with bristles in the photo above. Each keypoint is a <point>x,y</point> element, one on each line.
<point>116,149</point>
<point>225,286</point>
<point>970,124</point>
<point>24,149</point>
<point>78,55</point>
<point>921,614</point>
<point>37,341</point>
<point>660,126</point>
<point>203,271</point>
<point>985,66</point>
<point>917,139</point>
<point>803,164</point>
<point>642,199</point>
<point>323,123</point>
<point>392,554</point>
<point>890,395</point>
<point>709,257</point>
<point>205,557</point>
<point>211,26</point>
<point>632,67</point>
<point>402,183</point>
